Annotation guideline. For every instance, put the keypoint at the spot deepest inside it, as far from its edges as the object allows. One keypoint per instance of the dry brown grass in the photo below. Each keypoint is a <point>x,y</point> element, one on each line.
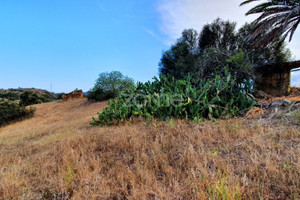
<point>58,155</point>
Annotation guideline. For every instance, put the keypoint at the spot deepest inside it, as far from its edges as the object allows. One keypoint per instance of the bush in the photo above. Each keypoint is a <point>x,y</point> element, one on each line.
<point>47,97</point>
<point>29,98</point>
<point>59,95</point>
<point>10,96</point>
<point>108,85</point>
<point>10,111</point>
<point>167,98</point>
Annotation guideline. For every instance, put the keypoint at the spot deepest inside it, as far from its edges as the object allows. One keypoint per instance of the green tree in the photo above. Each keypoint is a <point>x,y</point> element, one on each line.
<point>108,85</point>
<point>217,43</point>
<point>29,98</point>
<point>182,56</point>
<point>278,19</point>
<point>259,55</point>
<point>219,34</point>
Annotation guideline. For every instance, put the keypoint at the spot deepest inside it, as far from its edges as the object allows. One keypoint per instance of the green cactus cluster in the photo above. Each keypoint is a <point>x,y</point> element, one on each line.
<point>165,98</point>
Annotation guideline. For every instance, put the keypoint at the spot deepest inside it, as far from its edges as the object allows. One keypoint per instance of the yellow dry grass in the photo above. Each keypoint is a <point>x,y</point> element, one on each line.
<point>58,155</point>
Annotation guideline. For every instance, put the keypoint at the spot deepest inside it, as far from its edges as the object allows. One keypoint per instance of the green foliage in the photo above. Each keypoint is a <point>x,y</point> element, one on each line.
<point>277,20</point>
<point>167,98</point>
<point>182,57</point>
<point>219,34</point>
<point>10,111</point>
<point>239,66</point>
<point>14,94</point>
<point>108,85</point>
<point>10,96</point>
<point>59,95</point>
<point>204,53</point>
<point>98,94</point>
<point>29,98</point>
<point>257,56</point>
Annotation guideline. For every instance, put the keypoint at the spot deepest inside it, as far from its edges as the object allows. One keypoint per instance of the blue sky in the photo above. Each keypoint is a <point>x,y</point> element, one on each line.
<point>67,43</point>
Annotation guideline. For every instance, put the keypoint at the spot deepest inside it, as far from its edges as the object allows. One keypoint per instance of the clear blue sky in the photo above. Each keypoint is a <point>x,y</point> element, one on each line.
<point>67,43</point>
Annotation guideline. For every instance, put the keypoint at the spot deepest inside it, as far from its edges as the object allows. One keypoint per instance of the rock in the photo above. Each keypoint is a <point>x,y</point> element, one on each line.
<point>262,95</point>
<point>279,103</point>
<point>286,102</point>
<point>77,94</point>
<point>297,105</point>
<point>276,103</point>
<point>265,105</point>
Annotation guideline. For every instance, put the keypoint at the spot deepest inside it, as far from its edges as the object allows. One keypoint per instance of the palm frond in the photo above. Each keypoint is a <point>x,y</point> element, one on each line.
<point>278,19</point>
<point>248,1</point>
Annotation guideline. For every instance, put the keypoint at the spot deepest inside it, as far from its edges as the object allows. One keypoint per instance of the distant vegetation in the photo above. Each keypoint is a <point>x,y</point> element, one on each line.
<point>108,85</point>
<point>29,98</point>
<point>166,98</point>
<point>14,94</point>
<point>13,102</point>
<point>10,96</point>
<point>59,95</point>
<point>10,111</point>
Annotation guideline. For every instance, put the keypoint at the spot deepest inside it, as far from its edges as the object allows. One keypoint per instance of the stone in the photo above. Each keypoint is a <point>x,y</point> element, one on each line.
<point>276,103</point>
<point>286,102</point>
<point>77,94</point>
<point>265,105</point>
<point>296,105</point>
<point>262,95</point>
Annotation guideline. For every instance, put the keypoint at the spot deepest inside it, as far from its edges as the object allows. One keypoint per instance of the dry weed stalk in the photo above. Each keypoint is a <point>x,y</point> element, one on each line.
<point>58,155</point>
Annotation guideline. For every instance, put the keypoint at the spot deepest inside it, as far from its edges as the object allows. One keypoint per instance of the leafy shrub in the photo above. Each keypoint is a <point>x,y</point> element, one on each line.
<point>29,98</point>
<point>47,97</point>
<point>108,85</point>
<point>98,94</point>
<point>10,96</point>
<point>167,98</point>
<point>10,111</point>
<point>59,95</point>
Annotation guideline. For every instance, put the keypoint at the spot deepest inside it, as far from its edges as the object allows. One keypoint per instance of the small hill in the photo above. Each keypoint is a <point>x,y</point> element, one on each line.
<point>58,155</point>
<point>14,94</point>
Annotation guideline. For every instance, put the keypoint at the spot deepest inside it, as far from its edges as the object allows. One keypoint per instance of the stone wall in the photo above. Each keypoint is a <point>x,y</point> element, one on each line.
<point>275,84</point>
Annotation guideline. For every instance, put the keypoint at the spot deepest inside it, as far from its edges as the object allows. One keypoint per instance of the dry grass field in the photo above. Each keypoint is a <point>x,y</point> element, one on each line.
<point>58,155</point>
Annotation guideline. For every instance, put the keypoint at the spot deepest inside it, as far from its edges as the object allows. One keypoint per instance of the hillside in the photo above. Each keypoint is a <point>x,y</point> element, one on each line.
<point>58,155</point>
<point>14,94</point>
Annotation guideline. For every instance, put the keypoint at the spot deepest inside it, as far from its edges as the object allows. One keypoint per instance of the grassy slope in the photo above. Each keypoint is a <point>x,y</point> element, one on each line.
<point>57,154</point>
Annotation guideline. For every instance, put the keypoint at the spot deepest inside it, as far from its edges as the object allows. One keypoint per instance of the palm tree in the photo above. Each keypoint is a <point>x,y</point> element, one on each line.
<point>278,19</point>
